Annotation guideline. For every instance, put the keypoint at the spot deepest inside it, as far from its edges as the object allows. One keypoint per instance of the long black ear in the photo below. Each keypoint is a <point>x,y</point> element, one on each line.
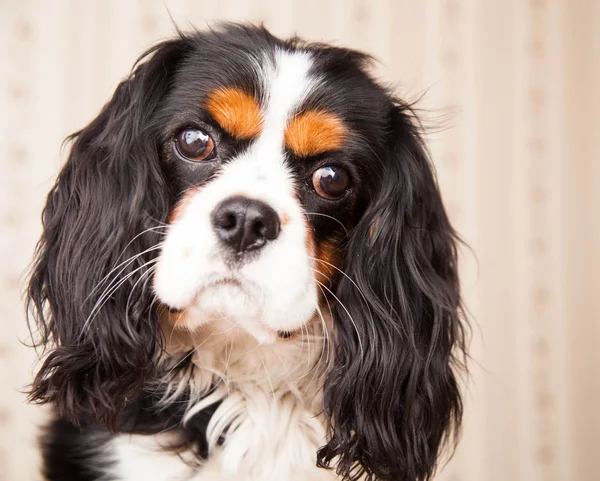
<point>392,397</point>
<point>97,324</point>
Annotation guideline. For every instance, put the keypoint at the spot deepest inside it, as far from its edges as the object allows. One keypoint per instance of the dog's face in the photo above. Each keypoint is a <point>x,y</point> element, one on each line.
<point>235,175</point>
<point>269,151</point>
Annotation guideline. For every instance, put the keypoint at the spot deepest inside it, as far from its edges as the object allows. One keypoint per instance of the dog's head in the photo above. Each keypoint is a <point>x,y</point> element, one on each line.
<point>235,174</point>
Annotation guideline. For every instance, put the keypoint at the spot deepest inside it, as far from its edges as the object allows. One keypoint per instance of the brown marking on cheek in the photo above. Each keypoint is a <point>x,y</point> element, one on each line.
<point>329,261</point>
<point>236,111</point>
<point>310,238</point>
<point>182,205</point>
<point>285,219</point>
<point>314,132</point>
<point>326,255</point>
<point>172,324</point>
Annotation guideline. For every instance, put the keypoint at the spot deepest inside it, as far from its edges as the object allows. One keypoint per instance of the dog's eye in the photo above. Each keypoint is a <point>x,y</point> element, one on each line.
<point>194,144</point>
<point>331,182</point>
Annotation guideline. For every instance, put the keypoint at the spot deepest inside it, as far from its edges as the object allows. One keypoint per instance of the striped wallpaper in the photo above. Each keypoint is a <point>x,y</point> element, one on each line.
<point>511,94</point>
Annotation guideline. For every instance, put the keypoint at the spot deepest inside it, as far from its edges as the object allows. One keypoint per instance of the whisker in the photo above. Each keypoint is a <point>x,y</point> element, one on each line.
<point>302,343</point>
<point>127,262</point>
<point>308,350</point>
<point>308,336</point>
<point>325,347</point>
<point>159,222</point>
<point>362,353</point>
<point>324,324</point>
<point>150,229</point>
<point>164,226</point>
<point>226,371</point>
<point>329,217</point>
<point>268,378</point>
<point>330,316</point>
<point>360,291</point>
<point>110,291</point>
<point>145,277</point>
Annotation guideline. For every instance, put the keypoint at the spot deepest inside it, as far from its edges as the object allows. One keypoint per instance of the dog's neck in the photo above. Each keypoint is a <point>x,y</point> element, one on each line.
<point>222,355</point>
<point>269,395</point>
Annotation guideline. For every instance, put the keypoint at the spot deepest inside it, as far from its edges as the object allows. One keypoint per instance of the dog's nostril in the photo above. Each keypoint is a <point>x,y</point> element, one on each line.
<point>228,221</point>
<point>268,232</point>
<point>259,228</point>
<point>245,224</point>
<point>268,226</point>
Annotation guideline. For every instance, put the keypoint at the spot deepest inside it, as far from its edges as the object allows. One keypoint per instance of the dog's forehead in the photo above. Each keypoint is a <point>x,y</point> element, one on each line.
<point>241,83</point>
<point>282,103</point>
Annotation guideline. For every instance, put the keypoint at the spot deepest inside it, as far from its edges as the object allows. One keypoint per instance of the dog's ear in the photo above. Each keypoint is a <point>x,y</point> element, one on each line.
<point>392,397</point>
<point>89,292</point>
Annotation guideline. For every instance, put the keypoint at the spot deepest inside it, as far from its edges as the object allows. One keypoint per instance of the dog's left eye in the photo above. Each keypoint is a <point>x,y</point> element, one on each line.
<point>331,182</point>
<point>194,144</point>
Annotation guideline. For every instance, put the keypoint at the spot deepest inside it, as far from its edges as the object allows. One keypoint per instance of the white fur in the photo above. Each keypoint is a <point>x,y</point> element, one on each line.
<point>269,414</point>
<point>270,389</point>
<point>144,458</point>
<point>277,291</point>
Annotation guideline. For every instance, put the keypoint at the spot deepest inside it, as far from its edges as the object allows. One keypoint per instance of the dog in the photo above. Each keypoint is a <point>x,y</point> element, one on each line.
<point>246,271</point>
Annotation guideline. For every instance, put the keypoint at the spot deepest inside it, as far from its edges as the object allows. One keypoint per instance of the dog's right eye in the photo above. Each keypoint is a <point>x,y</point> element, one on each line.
<point>194,145</point>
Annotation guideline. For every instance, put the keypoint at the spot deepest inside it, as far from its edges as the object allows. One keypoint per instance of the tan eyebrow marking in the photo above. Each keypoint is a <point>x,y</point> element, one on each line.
<point>236,111</point>
<point>314,132</point>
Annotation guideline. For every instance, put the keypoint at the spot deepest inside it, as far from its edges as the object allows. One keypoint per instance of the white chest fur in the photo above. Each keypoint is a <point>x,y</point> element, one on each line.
<point>269,416</point>
<point>279,446</point>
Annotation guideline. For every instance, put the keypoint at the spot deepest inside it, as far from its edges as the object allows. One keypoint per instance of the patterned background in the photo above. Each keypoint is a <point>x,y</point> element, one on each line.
<point>512,93</point>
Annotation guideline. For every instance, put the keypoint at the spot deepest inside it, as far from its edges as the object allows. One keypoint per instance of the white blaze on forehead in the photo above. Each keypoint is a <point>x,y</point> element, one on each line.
<point>286,83</point>
<point>279,287</point>
<point>261,171</point>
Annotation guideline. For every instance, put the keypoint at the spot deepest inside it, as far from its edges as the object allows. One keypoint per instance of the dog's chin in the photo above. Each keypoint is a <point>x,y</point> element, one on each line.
<point>232,306</point>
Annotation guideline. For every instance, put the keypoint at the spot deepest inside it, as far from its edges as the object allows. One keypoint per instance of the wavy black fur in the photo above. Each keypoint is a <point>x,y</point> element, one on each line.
<point>391,396</point>
<point>111,190</point>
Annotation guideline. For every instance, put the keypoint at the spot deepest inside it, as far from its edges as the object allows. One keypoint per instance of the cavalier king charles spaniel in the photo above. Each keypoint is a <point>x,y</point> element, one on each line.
<point>246,272</point>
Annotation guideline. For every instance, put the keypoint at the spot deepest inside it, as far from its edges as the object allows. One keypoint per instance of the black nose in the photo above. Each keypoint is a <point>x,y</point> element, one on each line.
<point>245,224</point>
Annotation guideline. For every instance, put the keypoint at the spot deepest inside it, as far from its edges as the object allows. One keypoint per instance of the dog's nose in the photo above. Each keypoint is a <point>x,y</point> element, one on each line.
<point>245,224</point>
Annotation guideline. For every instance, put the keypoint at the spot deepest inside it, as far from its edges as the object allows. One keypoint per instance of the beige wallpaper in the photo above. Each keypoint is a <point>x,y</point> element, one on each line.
<point>511,90</point>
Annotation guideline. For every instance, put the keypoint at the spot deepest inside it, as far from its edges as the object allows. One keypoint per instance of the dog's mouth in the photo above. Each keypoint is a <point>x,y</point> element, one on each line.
<point>213,285</point>
<point>286,334</point>
<point>227,302</point>
<point>228,281</point>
